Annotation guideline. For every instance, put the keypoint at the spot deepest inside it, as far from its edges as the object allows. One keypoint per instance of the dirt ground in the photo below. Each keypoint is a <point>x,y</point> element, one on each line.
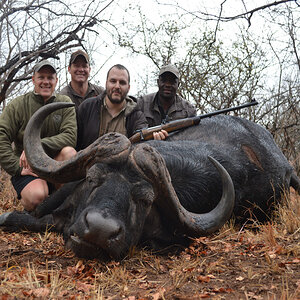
<point>236,263</point>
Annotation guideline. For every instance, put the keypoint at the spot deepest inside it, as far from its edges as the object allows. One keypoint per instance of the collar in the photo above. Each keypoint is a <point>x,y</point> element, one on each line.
<point>41,100</point>
<point>89,90</point>
<point>129,106</point>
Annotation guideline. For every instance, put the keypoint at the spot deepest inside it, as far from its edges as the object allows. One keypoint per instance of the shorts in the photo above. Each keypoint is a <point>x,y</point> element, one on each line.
<point>20,181</point>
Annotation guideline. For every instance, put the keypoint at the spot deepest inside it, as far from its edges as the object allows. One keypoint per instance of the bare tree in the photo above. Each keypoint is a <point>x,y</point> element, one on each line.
<point>212,76</point>
<point>36,29</point>
<point>216,75</point>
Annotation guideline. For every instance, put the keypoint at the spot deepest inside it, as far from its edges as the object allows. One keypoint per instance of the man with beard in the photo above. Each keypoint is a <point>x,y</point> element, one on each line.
<point>80,88</point>
<point>166,105</point>
<point>111,111</point>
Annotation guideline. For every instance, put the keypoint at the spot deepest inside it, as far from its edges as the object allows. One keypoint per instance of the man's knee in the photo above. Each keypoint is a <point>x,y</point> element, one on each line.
<point>66,153</point>
<point>34,193</point>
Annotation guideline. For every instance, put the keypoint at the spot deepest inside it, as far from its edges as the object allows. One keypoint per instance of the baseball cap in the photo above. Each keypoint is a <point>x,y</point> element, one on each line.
<point>77,53</point>
<point>43,63</point>
<point>169,68</point>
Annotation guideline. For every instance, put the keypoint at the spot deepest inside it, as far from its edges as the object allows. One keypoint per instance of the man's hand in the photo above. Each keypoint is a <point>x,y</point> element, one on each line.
<point>23,161</point>
<point>26,170</point>
<point>160,135</point>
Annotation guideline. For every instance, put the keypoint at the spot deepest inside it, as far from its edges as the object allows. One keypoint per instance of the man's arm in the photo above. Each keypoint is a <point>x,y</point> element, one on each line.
<point>67,135</point>
<point>8,130</point>
<point>136,121</point>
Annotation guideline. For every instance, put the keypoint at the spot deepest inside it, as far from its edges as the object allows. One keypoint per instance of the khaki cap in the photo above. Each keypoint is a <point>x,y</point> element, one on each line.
<point>79,53</point>
<point>43,63</point>
<point>169,68</point>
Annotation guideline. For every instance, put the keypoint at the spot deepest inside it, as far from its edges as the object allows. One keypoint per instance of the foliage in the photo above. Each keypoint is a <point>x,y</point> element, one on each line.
<point>235,263</point>
<point>214,77</point>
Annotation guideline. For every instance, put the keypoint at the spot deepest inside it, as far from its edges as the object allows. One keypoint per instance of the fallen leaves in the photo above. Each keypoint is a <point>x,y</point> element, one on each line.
<point>205,279</point>
<point>38,293</point>
<point>240,278</point>
<point>231,265</point>
<point>84,287</point>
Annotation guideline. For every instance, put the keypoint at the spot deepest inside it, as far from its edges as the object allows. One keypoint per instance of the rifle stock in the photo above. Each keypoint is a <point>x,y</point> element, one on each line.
<point>147,134</point>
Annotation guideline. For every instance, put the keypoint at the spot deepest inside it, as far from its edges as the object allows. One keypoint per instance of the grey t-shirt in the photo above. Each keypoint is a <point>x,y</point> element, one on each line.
<point>93,91</point>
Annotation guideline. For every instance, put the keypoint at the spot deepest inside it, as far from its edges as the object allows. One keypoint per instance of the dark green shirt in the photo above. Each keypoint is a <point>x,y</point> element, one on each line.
<point>59,128</point>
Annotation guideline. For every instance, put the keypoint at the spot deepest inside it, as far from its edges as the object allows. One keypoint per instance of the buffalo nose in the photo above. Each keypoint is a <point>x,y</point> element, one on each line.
<point>101,230</point>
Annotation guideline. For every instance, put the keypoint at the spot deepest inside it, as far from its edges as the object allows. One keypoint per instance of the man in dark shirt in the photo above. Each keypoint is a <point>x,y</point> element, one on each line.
<point>111,111</point>
<point>80,88</point>
<point>166,105</point>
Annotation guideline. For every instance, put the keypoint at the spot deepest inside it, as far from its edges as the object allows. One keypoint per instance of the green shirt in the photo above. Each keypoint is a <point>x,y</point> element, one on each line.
<point>58,130</point>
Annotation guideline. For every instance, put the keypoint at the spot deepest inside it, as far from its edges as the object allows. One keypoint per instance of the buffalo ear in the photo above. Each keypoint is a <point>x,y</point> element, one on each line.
<point>20,220</point>
<point>150,164</point>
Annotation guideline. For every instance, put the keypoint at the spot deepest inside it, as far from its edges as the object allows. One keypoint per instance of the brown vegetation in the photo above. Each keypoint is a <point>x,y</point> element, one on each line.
<point>236,263</point>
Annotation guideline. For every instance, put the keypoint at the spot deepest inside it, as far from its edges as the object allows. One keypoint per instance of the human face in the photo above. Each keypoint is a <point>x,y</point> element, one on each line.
<point>79,70</point>
<point>167,85</point>
<point>44,81</point>
<point>117,85</point>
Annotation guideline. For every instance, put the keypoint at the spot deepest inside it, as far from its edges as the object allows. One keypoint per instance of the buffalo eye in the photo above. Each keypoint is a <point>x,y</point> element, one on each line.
<point>143,194</point>
<point>97,174</point>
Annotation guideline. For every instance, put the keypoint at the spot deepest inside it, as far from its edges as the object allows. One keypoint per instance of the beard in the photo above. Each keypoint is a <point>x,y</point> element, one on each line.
<point>116,100</point>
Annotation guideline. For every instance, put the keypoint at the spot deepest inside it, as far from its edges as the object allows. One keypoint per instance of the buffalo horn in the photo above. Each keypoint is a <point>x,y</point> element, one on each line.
<point>112,147</point>
<point>152,167</point>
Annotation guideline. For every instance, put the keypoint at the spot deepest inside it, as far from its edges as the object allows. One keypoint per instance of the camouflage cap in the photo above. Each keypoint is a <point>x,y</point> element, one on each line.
<point>79,53</point>
<point>169,68</point>
<point>43,63</point>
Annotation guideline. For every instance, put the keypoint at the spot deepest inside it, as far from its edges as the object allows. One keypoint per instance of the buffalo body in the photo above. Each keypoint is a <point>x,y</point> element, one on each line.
<point>158,192</point>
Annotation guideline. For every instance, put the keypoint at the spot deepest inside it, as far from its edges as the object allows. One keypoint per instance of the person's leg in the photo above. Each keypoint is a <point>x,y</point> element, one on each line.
<point>65,153</point>
<point>34,193</point>
<point>30,190</point>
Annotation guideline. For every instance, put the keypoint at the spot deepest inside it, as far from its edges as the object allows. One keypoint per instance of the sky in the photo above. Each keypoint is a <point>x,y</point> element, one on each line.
<point>105,54</point>
<point>158,13</point>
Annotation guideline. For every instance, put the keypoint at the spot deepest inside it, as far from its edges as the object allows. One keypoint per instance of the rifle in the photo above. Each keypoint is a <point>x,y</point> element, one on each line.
<point>147,134</point>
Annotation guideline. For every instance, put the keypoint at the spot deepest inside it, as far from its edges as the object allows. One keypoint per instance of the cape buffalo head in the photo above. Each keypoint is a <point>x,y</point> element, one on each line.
<point>123,190</point>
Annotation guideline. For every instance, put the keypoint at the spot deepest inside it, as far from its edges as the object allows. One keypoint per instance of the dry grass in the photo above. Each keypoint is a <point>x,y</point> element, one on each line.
<point>235,263</point>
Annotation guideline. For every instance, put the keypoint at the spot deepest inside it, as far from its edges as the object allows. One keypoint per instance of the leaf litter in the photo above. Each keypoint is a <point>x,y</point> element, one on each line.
<point>257,261</point>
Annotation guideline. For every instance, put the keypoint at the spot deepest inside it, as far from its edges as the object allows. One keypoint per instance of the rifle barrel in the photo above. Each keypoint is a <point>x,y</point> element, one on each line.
<point>147,134</point>
<point>225,110</point>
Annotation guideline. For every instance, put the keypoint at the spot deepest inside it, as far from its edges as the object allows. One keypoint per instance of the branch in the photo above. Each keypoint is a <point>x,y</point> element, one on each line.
<point>49,49</point>
<point>211,17</point>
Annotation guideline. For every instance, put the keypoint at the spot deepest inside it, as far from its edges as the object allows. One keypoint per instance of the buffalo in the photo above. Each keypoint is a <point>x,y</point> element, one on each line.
<point>157,193</point>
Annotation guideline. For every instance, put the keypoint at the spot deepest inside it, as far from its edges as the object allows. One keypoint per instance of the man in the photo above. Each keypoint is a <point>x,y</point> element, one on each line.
<point>166,105</point>
<point>80,88</point>
<point>58,134</point>
<point>111,111</point>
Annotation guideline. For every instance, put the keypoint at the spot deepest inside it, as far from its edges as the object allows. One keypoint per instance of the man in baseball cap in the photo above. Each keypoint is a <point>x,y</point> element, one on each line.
<point>79,87</point>
<point>166,105</point>
<point>44,79</point>
<point>59,135</point>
